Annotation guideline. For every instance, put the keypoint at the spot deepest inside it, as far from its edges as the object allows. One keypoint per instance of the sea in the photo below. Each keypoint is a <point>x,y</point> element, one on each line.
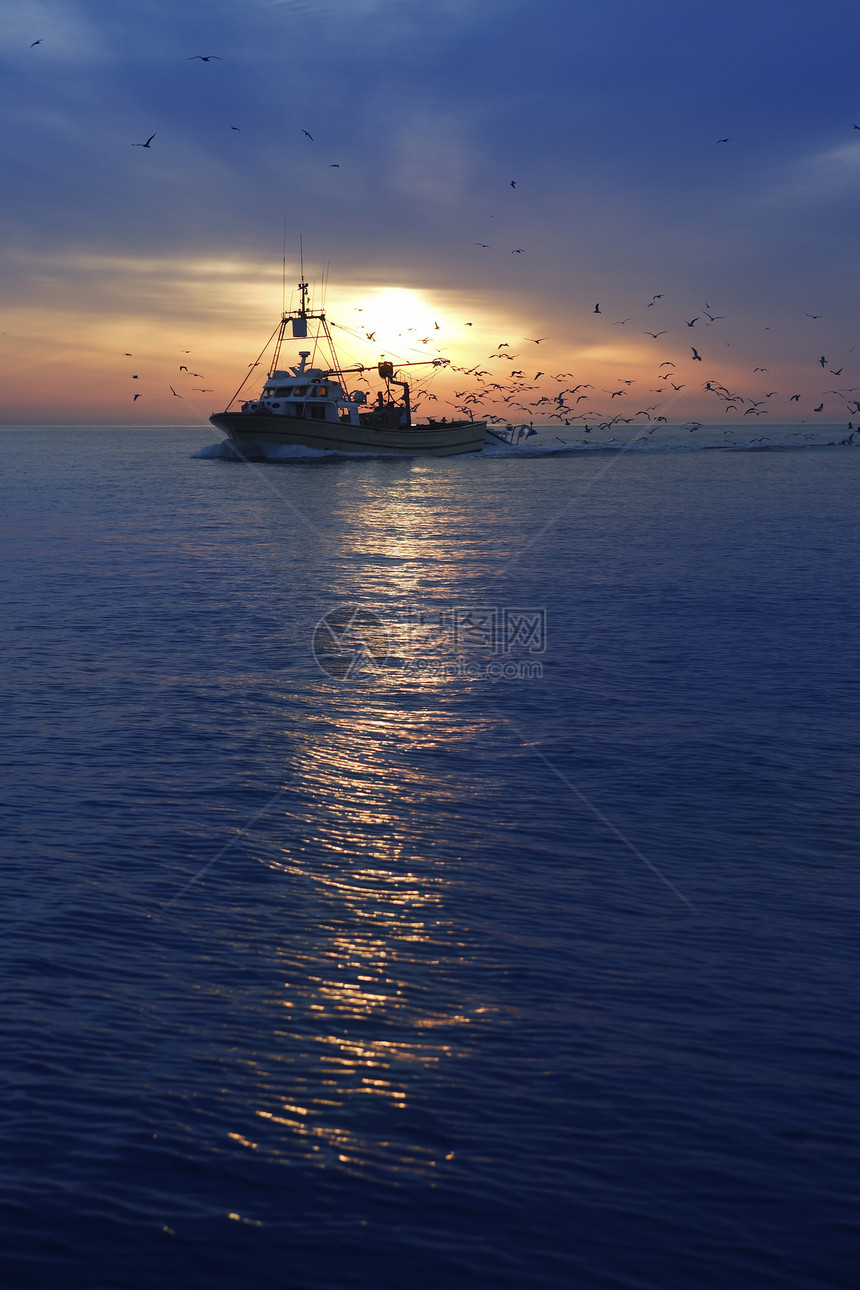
<point>431,873</point>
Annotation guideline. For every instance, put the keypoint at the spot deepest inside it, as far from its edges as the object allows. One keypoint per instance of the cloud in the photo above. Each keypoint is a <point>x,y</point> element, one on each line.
<point>817,178</point>
<point>65,33</point>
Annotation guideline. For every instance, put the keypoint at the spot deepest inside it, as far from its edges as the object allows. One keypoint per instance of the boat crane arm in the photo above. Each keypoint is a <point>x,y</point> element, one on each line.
<point>368,367</point>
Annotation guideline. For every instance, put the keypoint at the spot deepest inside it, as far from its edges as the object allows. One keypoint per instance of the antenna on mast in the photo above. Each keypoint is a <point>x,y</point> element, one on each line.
<point>303,286</point>
<point>284,270</point>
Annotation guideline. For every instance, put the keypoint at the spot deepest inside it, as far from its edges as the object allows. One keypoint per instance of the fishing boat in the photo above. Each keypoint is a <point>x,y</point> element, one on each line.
<point>311,406</point>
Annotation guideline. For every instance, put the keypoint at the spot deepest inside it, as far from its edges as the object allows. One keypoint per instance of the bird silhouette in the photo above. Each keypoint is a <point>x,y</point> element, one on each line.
<point>310,136</point>
<point>723,140</point>
<point>696,355</point>
<point>513,183</point>
<point>485,245</point>
<point>518,251</point>
<point>537,342</point>
<point>823,361</point>
<point>694,321</point>
<point>597,308</point>
<point>144,145</point>
<point>655,334</point>
<point>136,397</point>
<point>205,58</point>
<point>820,408</point>
<point>795,398</point>
<point>38,42</point>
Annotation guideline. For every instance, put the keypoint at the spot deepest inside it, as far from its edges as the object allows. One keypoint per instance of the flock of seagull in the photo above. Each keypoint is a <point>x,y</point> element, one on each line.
<point>509,394</point>
<point>492,389</point>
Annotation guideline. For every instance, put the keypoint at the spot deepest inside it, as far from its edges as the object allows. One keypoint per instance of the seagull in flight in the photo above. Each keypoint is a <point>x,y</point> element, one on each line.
<point>144,145</point>
<point>205,58</point>
<point>518,251</point>
<point>513,183</point>
<point>696,355</point>
<point>597,308</point>
<point>537,342</point>
<point>693,323</point>
<point>310,136</point>
<point>38,42</point>
<point>724,140</point>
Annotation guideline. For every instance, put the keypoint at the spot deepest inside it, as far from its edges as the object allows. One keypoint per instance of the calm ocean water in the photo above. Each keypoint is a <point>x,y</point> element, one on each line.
<point>531,959</point>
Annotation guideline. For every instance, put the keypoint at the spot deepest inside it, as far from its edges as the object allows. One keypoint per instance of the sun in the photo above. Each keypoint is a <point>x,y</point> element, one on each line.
<point>396,314</point>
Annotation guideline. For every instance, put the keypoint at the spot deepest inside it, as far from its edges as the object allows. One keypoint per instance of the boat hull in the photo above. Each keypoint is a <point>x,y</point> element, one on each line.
<point>256,436</point>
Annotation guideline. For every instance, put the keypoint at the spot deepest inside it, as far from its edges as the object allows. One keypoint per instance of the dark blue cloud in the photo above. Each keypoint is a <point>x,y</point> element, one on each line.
<point>606,117</point>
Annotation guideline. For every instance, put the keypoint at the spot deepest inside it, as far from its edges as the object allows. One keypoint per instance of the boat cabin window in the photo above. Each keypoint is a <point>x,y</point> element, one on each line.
<point>322,391</point>
<point>300,389</point>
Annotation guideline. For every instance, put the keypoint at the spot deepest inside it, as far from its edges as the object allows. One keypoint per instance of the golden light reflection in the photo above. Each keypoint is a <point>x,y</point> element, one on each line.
<point>372,1007</point>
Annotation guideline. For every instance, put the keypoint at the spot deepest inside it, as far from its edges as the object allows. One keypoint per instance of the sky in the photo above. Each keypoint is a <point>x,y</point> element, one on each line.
<point>388,135</point>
